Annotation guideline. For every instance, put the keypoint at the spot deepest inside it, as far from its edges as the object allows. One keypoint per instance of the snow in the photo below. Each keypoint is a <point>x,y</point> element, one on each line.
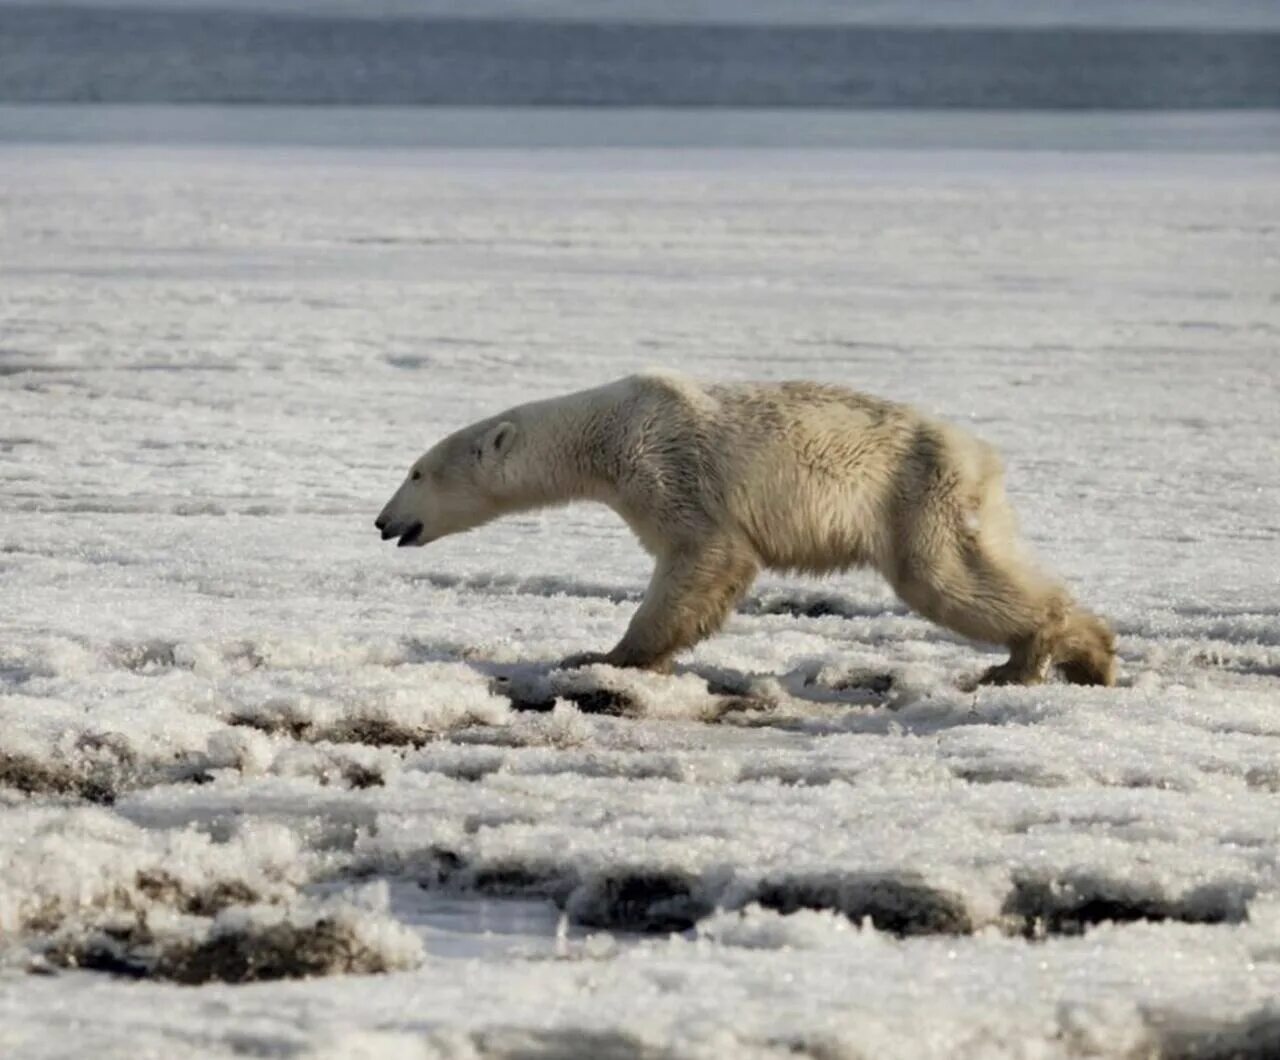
<point>240,738</point>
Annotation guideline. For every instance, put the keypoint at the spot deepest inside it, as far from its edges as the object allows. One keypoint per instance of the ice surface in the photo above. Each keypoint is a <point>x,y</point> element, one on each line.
<point>234,726</point>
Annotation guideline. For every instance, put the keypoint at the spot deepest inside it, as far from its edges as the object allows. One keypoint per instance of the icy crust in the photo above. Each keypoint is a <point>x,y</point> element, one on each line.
<point>622,797</point>
<point>845,806</point>
<point>87,889</point>
<point>240,944</point>
<point>891,830</point>
<point>754,983</point>
<point>74,863</point>
<point>233,690</point>
<point>225,710</point>
<point>943,814</point>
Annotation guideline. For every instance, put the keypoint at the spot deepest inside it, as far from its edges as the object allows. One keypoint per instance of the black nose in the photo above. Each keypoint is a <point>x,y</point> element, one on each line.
<point>380,522</point>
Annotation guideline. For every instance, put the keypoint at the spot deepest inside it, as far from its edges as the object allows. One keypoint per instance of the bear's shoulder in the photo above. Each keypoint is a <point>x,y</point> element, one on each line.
<point>670,390</point>
<point>663,381</point>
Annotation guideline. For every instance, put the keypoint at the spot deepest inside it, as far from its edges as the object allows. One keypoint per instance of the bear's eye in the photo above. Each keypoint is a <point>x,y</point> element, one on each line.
<point>416,476</point>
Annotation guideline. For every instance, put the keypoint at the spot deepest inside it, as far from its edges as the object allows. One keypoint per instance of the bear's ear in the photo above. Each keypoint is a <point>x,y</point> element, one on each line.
<point>496,442</point>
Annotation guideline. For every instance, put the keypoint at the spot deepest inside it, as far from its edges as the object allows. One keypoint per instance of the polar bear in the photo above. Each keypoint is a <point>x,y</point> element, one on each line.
<point>720,481</point>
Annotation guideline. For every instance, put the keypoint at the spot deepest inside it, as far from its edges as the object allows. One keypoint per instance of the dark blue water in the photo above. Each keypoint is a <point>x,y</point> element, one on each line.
<point>132,56</point>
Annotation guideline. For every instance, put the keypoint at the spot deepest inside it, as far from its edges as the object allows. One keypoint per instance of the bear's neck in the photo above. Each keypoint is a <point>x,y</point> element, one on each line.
<point>564,453</point>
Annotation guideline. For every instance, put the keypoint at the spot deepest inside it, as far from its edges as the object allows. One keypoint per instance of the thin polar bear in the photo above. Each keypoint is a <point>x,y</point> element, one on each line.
<point>720,481</point>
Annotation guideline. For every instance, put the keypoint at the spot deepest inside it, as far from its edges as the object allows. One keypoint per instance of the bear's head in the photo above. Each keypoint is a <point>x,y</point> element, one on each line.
<point>456,485</point>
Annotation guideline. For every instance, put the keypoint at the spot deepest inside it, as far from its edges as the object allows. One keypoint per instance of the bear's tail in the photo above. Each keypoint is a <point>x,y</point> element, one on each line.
<point>1085,650</point>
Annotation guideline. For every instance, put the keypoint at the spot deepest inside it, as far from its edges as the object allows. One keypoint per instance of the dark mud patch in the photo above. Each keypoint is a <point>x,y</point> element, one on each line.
<point>102,956</point>
<point>652,900</point>
<point>372,731</point>
<point>295,728</point>
<point>33,777</point>
<point>1039,907</point>
<point>662,899</point>
<point>609,701</point>
<point>159,886</point>
<point>279,951</point>
<point>111,951</point>
<point>642,901</point>
<point>130,904</point>
<point>872,681</point>
<point>97,768</point>
<point>820,607</point>
<point>620,703</point>
<point>901,906</point>
<point>362,777</point>
<point>531,702</point>
<point>367,729</point>
<point>611,694</point>
<point>538,689</point>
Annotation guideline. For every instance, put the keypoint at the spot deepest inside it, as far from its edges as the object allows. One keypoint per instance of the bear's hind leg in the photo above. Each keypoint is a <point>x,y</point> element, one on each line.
<point>965,588</point>
<point>957,560</point>
<point>694,587</point>
<point>1000,601</point>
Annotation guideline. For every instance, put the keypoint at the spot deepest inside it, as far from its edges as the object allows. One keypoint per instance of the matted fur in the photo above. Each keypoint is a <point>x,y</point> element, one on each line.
<point>719,481</point>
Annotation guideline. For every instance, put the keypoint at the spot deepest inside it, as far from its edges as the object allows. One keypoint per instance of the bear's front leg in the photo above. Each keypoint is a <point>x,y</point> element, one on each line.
<point>693,589</point>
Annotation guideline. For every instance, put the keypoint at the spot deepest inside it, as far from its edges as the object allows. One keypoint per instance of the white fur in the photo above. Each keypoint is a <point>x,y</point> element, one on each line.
<point>718,481</point>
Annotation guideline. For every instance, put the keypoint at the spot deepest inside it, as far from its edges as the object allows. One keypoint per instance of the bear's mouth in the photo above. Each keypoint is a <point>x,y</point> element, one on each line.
<point>410,536</point>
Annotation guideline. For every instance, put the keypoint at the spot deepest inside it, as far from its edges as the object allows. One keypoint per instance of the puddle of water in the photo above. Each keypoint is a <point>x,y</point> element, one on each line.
<point>469,926</point>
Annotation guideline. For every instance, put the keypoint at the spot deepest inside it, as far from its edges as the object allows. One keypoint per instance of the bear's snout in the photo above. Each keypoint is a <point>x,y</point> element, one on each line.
<point>408,533</point>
